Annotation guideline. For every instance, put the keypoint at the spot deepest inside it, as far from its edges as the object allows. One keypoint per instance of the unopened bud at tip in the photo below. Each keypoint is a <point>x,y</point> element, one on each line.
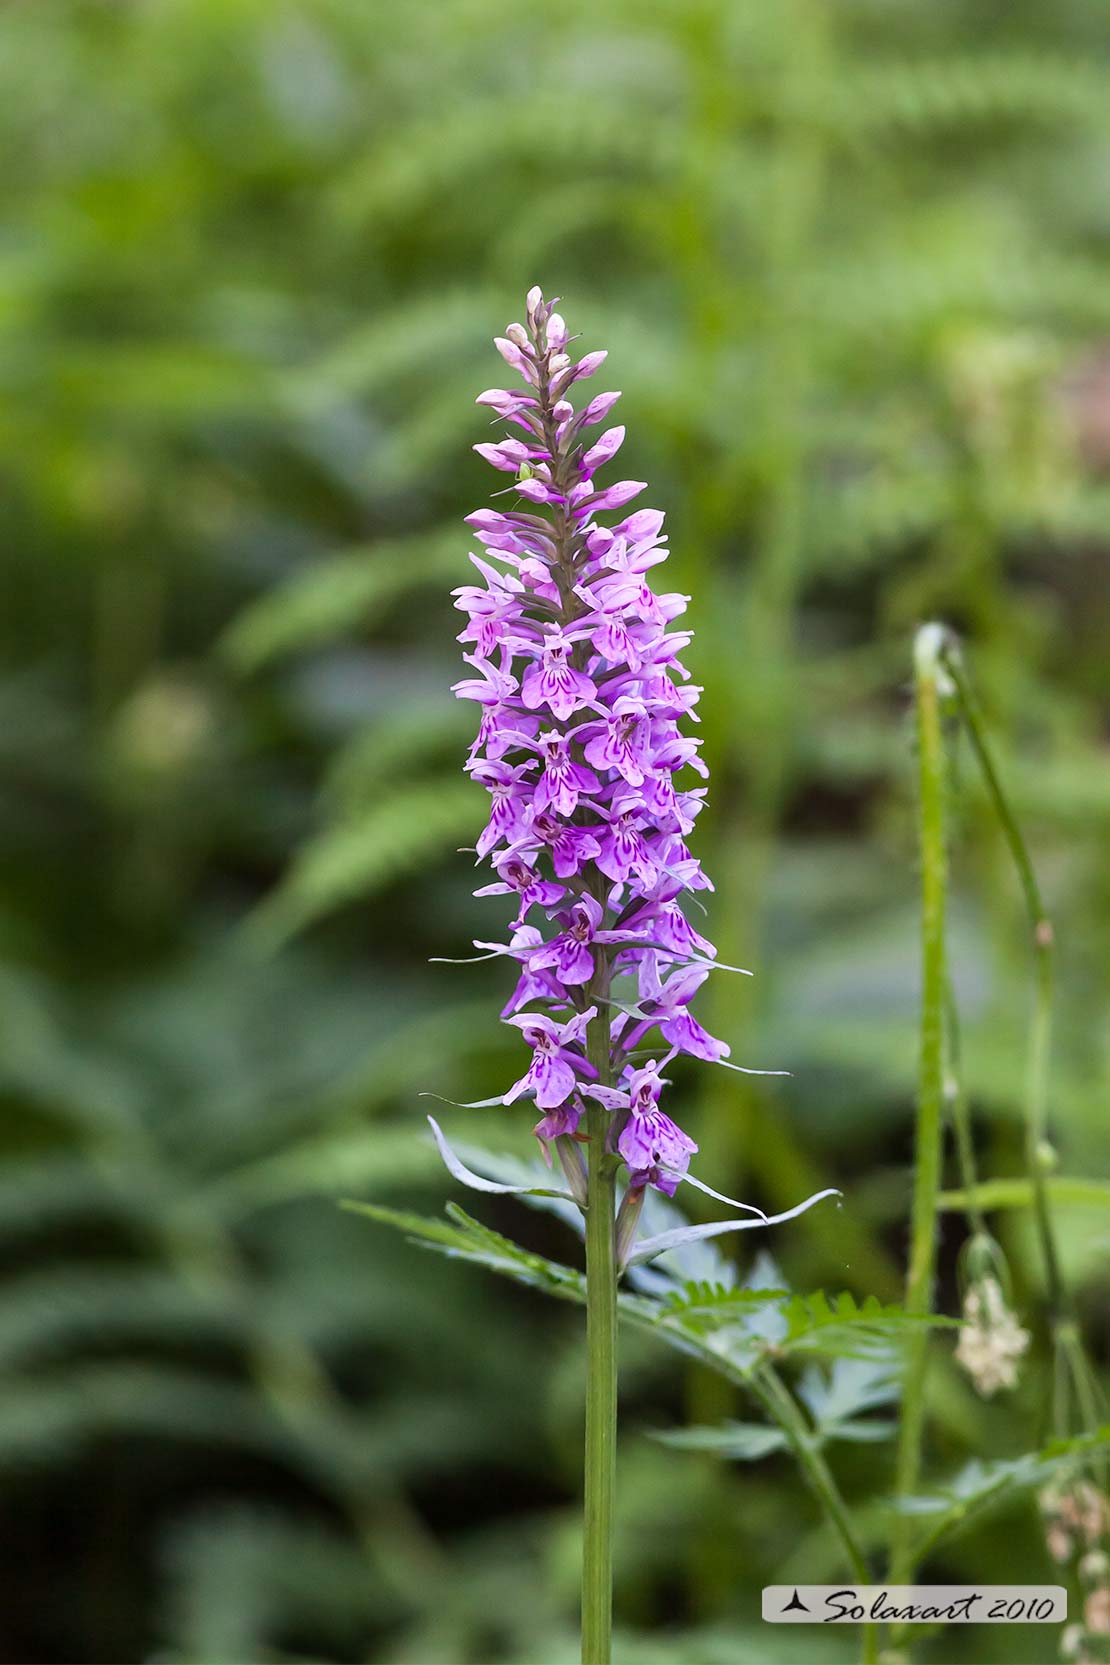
<point>1047,1158</point>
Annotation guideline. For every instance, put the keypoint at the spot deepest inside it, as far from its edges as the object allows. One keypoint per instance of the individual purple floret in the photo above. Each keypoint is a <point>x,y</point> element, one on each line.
<point>581,691</point>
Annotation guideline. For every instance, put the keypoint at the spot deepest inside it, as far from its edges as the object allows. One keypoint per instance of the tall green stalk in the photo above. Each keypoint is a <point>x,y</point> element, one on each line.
<point>930,1097</point>
<point>939,670</point>
<point>601,1372</point>
<point>956,1098</point>
<point>1067,1341</point>
<point>1040,1030</point>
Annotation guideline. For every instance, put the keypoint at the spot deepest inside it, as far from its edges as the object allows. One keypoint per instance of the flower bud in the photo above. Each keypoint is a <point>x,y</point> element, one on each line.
<point>570,1159</point>
<point>1096,1612</point>
<point>1094,1567</point>
<point>1047,1157</point>
<point>628,1218</point>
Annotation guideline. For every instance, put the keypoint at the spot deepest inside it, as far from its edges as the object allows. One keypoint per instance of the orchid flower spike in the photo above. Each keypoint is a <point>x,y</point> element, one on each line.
<point>582,697</point>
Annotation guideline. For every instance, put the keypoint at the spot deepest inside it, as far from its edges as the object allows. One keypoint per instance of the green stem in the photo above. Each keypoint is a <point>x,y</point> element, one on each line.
<point>601,1244</point>
<point>961,1120</point>
<point>1040,1032</point>
<point>1067,1339</point>
<point>930,1097</point>
<point>601,1372</point>
<point>781,1406</point>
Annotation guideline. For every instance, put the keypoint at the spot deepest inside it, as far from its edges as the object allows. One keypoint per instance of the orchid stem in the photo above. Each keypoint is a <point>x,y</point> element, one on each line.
<point>601,1371</point>
<point>930,1097</point>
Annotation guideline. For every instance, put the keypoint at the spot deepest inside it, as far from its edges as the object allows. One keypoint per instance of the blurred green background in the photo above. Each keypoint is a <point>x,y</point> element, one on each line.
<point>852,264</point>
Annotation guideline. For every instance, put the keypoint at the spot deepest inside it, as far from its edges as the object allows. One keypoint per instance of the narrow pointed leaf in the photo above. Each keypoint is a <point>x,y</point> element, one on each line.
<point>718,1196</point>
<point>466,1176</point>
<point>741,1441</point>
<point>652,1246</point>
<point>463,1104</point>
<point>742,1070</point>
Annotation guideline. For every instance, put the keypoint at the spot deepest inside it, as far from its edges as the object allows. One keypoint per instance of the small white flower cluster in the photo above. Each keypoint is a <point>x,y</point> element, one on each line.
<point>1077,1520</point>
<point>992,1341</point>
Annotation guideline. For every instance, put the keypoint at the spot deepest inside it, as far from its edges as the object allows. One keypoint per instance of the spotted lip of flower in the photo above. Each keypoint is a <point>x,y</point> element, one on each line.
<point>516,875</point>
<point>577,675</point>
<point>621,743</point>
<point>551,1076</point>
<point>563,780</point>
<point>570,954</point>
<point>656,1149</point>
<point>666,1007</point>
<point>555,682</point>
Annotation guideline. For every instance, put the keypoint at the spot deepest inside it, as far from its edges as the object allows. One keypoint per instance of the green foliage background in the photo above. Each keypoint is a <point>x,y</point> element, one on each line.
<point>852,263</point>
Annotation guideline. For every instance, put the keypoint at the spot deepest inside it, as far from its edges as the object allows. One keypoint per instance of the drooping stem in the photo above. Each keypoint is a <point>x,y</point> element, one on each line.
<point>956,1099</point>
<point>780,1404</point>
<point>1073,1367</point>
<point>601,1371</point>
<point>1040,1029</point>
<point>930,1096</point>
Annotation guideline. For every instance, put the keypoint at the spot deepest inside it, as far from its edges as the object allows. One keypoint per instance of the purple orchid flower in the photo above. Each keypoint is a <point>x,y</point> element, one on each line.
<point>563,780</point>
<point>578,677</point>
<point>551,1076</point>
<point>656,1149</point>
<point>622,743</point>
<point>665,1006</point>
<point>571,953</point>
<point>515,875</point>
<point>554,681</point>
<point>560,1123</point>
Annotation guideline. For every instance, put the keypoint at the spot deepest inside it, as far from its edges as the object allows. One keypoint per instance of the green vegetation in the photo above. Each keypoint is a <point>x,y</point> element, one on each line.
<point>852,262</point>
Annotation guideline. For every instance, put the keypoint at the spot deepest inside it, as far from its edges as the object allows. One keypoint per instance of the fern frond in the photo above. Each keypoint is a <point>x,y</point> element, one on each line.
<point>928,96</point>
<point>337,596</point>
<point>45,1419</point>
<point>348,862</point>
<point>544,132</point>
<point>980,1486</point>
<point>408,741</point>
<point>46,1315</point>
<point>48,1194</point>
<point>238,1577</point>
<point>418,334</point>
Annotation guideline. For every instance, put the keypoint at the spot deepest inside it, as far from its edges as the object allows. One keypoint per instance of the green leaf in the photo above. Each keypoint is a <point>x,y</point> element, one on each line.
<point>649,1247</point>
<point>467,1239</point>
<point>795,1323</point>
<point>477,1182</point>
<point>715,1304</point>
<point>419,1228</point>
<point>743,1442</point>
<point>814,1324</point>
<point>837,1399</point>
<point>980,1485</point>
